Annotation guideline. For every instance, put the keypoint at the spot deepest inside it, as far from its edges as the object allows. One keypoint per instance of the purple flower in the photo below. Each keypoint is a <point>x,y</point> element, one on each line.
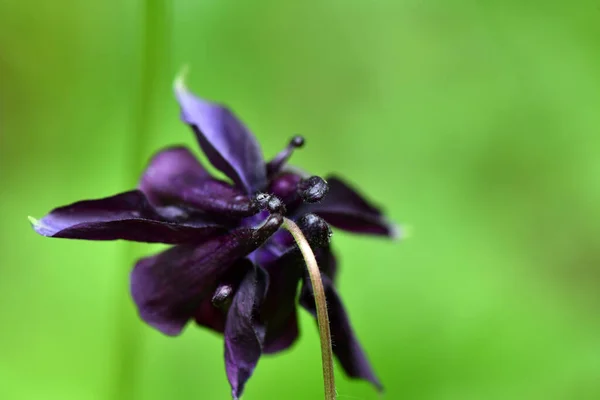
<point>231,268</point>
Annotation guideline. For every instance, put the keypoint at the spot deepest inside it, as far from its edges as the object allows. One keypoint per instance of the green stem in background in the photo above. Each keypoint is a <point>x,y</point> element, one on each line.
<point>321,306</point>
<point>155,51</point>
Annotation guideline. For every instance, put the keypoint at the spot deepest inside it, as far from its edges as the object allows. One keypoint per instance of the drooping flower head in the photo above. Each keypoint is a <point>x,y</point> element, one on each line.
<point>231,268</point>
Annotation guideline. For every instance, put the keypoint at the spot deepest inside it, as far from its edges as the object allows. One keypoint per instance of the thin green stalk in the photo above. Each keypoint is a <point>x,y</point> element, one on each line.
<point>321,306</point>
<point>154,55</point>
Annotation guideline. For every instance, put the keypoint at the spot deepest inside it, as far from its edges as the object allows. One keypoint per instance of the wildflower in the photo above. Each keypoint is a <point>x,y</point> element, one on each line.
<point>231,268</point>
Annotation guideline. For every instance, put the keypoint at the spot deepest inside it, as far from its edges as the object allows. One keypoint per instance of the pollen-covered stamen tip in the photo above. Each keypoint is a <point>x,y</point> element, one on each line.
<point>317,231</point>
<point>270,203</point>
<point>275,165</point>
<point>261,200</point>
<point>313,189</point>
<point>223,296</point>
<point>276,206</point>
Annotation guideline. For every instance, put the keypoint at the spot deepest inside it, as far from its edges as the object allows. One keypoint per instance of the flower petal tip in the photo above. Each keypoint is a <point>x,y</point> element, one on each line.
<point>398,232</point>
<point>167,328</point>
<point>40,227</point>
<point>179,82</point>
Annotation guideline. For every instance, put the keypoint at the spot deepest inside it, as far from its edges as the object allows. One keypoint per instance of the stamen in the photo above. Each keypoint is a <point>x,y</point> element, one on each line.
<point>223,296</point>
<point>276,206</point>
<point>268,228</point>
<point>270,203</point>
<point>261,200</point>
<point>313,189</point>
<point>315,229</point>
<point>275,165</point>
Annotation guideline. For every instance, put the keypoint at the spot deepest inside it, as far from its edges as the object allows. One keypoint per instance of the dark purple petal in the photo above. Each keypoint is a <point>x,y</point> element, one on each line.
<point>174,176</point>
<point>167,166</point>
<point>283,336</point>
<point>244,331</point>
<point>212,311</point>
<point>228,144</point>
<point>209,316</point>
<point>345,208</point>
<point>168,288</point>
<point>126,216</point>
<point>279,309</point>
<point>345,344</point>
<point>327,262</point>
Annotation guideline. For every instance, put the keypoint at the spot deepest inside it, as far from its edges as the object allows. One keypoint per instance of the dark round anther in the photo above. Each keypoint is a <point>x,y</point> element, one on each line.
<point>317,231</point>
<point>297,141</point>
<point>223,296</point>
<point>276,206</point>
<point>313,189</point>
<point>262,199</point>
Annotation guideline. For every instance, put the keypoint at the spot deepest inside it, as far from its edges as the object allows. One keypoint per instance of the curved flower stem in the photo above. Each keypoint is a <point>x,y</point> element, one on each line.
<point>155,23</point>
<point>321,306</point>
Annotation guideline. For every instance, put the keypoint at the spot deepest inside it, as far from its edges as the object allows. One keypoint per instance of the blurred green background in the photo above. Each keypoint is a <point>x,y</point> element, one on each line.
<point>477,124</point>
